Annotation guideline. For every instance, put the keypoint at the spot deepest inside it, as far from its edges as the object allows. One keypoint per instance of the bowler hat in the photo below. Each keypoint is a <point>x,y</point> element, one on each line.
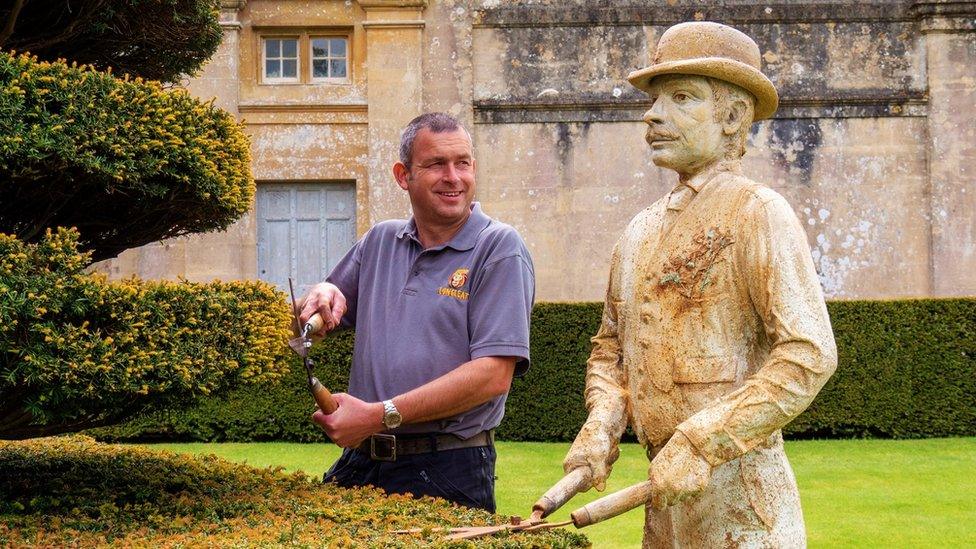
<point>711,49</point>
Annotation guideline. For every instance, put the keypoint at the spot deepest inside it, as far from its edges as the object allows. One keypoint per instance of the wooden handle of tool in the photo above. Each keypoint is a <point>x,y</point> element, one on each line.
<point>575,482</point>
<point>612,505</point>
<point>323,397</point>
<point>316,322</point>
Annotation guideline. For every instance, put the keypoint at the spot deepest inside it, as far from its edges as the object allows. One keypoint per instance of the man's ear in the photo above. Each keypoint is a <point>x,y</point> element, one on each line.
<point>734,116</point>
<point>402,174</point>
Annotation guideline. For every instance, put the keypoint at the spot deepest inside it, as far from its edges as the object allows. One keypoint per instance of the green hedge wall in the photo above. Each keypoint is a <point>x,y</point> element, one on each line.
<point>907,370</point>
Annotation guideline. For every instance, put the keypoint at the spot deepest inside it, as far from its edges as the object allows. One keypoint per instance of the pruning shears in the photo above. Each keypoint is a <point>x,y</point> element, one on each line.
<point>301,346</point>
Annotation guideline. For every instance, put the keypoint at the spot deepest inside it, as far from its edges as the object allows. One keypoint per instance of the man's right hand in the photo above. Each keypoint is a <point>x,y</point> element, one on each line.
<point>326,299</point>
<point>594,449</point>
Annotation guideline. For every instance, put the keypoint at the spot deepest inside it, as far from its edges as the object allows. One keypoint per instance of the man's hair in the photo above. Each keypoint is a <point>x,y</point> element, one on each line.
<point>725,94</point>
<point>436,122</point>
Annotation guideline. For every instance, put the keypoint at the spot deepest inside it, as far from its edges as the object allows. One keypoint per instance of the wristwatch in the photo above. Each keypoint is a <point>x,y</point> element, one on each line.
<point>391,416</point>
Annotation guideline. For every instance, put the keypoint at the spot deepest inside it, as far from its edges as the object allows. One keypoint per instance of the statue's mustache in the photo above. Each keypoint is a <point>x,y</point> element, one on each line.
<point>659,134</point>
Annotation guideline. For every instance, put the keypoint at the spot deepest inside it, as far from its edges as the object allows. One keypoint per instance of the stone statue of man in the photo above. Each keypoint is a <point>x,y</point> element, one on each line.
<point>715,332</point>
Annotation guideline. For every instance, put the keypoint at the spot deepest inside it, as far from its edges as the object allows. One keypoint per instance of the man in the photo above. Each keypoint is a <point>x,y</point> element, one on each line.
<point>715,333</point>
<point>441,306</point>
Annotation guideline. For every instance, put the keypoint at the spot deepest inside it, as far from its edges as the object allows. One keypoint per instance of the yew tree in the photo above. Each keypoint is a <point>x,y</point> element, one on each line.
<point>102,151</point>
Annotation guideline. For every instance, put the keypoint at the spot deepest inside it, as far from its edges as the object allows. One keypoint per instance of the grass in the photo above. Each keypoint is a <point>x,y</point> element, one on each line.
<point>855,493</point>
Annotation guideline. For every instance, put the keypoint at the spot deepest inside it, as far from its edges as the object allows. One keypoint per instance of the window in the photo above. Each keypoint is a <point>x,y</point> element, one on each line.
<point>305,58</point>
<point>328,58</point>
<point>281,59</point>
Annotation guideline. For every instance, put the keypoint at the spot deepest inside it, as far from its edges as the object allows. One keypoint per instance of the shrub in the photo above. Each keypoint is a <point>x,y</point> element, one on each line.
<point>76,350</point>
<point>907,370</point>
<point>126,162</point>
<point>73,491</point>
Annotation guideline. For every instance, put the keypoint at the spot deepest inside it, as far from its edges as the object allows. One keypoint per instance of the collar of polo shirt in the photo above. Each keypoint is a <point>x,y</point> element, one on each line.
<point>463,240</point>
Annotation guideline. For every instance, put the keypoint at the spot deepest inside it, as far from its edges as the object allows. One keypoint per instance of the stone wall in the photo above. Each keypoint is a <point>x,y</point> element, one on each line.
<point>873,144</point>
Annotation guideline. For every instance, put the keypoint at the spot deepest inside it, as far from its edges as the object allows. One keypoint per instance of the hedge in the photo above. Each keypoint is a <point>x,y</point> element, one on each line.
<point>72,491</point>
<point>77,350</point>
<point>125,161</point>
<point>907,369</point>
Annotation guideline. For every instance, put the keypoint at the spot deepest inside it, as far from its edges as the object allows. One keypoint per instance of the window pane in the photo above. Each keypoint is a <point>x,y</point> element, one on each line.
<point>338,47</point>
<point>320,47</point>
<point>272,48</point>
<point>320,68</point>
<point>272,68</point>
<point>337,68</point>
<point>289,48</point>
<point>289,68</point>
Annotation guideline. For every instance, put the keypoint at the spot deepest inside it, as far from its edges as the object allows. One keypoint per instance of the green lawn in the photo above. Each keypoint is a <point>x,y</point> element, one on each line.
<point>856,493</point>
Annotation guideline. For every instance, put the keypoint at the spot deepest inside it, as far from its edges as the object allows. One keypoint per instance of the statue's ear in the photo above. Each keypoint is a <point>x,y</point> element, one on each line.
<point>735,116</point>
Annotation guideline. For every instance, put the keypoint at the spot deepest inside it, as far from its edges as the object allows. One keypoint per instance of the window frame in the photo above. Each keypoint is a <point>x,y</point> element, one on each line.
<point>305,69</point>
<point>311,58</point>
<point>297,79</point>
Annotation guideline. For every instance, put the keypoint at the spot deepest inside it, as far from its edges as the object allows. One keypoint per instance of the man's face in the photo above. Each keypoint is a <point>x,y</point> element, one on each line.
<point>682,130</point>
<point>440,178</point>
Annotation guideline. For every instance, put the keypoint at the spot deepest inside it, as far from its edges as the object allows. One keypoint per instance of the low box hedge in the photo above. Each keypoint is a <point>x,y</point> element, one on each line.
<point>73,491</point>
<point>907,369</point>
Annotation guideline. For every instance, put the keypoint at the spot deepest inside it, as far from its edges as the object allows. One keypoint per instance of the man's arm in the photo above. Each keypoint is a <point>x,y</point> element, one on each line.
<point>467,386</point>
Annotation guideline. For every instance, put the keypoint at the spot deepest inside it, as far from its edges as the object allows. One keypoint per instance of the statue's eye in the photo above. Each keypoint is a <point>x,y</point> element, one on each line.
<point>680,97</point>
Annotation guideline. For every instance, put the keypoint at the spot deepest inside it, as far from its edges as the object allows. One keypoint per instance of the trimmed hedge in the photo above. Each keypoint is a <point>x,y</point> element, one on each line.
<point>76,350</point>
<point>907,370</point>
<point>72,491</point>
<point>124,161</point>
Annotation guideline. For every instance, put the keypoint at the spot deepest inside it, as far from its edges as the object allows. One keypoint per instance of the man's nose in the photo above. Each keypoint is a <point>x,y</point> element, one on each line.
<point>451,172</point>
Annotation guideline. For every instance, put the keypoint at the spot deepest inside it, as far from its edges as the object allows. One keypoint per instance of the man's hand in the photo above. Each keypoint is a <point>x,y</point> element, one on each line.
<point>593,449</point>
<point>678,472</point>
<point>326,299</point>
<point>353,422</point>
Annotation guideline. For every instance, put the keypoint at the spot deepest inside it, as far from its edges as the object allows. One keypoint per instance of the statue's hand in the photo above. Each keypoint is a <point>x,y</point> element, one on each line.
<point>678,472</point>
<point>594,449</point>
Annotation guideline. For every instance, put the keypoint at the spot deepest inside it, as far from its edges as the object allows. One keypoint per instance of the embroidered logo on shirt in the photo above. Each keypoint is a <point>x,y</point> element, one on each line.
<point>457,281</point>
<point>459,278</point>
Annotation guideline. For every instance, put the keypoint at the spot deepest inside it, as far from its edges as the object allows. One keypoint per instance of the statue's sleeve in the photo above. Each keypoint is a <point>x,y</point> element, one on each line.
<point>784,291</point>
<point>606,381</point>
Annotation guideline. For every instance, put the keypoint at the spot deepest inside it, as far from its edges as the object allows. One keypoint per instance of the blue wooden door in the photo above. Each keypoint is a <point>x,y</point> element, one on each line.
<point>303,231</point>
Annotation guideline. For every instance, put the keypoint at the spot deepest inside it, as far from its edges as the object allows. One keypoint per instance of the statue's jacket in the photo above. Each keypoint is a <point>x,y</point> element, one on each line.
<point>714,324</point>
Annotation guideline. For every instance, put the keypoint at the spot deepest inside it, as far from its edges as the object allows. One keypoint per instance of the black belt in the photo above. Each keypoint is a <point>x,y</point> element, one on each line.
<point>388,447</point>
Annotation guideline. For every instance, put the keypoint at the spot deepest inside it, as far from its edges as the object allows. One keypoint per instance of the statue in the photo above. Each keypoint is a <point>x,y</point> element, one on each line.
<point>715,333</point>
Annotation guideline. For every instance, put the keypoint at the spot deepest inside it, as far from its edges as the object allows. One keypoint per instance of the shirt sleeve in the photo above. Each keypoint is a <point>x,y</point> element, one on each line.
<point>345,275</point>
<point>785,292</point>
<point>500,309</point>
<point>606,391</point>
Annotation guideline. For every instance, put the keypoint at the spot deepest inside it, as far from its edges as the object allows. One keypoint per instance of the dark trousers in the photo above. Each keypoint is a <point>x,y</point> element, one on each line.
<point>465,476</point>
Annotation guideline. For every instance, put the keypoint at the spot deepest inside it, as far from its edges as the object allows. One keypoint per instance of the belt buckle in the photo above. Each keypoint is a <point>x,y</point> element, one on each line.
<point>382,447</point>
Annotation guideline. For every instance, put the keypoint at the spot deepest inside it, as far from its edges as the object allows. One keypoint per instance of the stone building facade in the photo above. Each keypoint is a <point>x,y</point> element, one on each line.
<point>874,143</point>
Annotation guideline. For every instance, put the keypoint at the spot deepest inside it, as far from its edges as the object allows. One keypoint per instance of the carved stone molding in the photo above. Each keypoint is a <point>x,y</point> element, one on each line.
<point>945,15</point>
<point>233,4</point>
<point>640,13</point>
<point>393,4</point>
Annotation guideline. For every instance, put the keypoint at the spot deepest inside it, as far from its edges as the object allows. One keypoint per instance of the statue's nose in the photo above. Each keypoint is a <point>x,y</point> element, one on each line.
<point>654,115</point>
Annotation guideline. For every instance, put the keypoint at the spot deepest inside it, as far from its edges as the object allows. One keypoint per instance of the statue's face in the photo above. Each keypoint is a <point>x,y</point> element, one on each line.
<point>683,132</point>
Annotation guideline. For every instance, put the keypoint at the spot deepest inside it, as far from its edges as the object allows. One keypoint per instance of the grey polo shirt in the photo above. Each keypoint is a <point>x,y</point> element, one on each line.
<point>418,314</point>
